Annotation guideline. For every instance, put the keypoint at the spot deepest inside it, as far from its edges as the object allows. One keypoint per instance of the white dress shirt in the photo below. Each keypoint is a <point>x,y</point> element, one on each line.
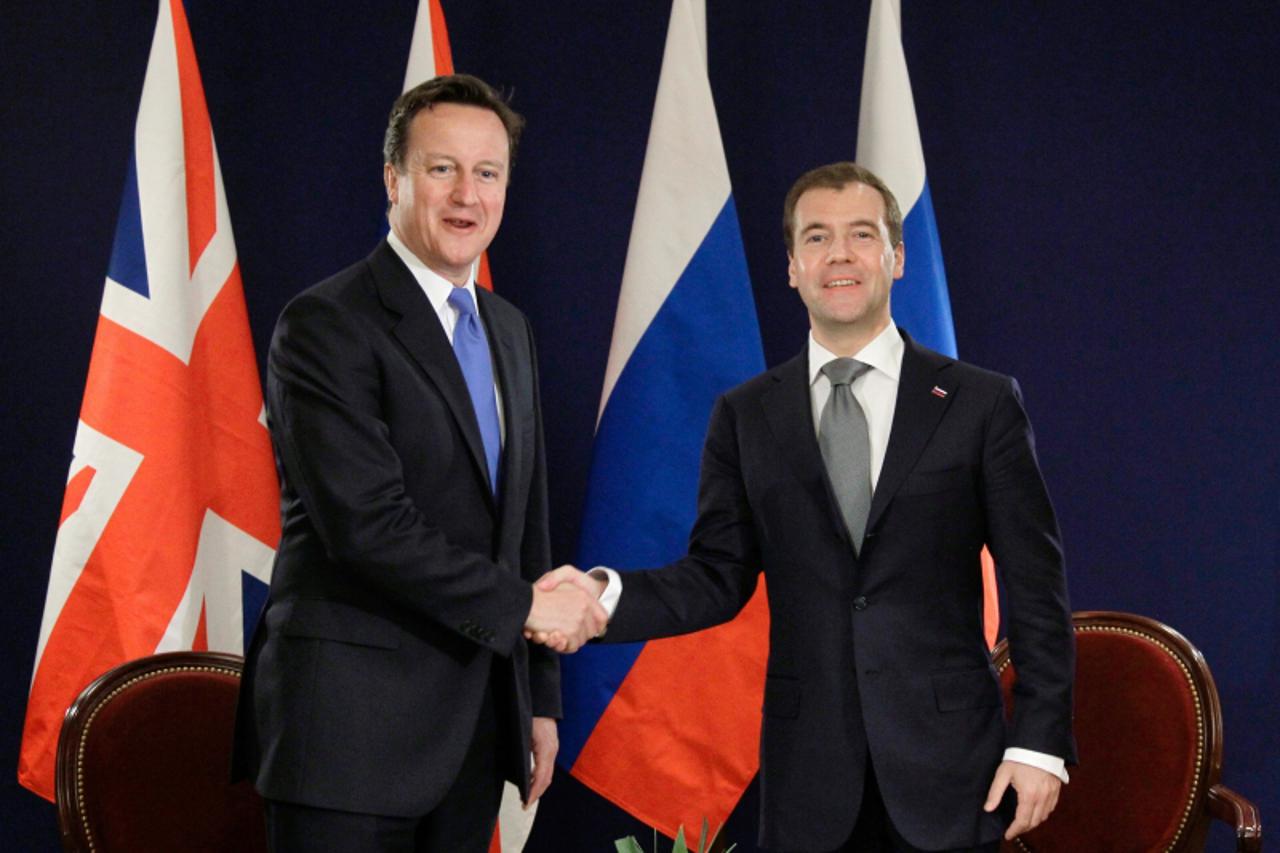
<point>437,288</point>
<point>876,391</point>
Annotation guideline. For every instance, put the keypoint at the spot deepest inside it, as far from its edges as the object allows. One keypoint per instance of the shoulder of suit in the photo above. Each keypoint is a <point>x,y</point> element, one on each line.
<point>762,382</point>
<point>498,307</point>
<point>956,370</point>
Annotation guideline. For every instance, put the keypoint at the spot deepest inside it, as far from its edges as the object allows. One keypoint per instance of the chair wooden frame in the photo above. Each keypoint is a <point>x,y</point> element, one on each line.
<point>73,819</point>
<point>1209,799</point>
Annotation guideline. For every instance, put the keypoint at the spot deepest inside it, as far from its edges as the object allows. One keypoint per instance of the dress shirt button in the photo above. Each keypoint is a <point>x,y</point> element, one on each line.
<point>860,603</point>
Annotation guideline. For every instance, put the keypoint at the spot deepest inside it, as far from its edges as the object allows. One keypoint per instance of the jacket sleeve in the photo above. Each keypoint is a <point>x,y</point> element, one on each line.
<point>535,558</point>
<point>714,581</point>
<point>1022,533</point>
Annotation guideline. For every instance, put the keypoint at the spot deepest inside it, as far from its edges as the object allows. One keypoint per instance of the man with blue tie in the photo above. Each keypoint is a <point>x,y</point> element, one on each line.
<point>388,690</point>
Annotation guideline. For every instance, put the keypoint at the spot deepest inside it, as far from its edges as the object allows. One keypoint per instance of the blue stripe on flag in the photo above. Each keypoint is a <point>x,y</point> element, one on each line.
<point>920,301</point>
<point>253,596</point>
<point>128,256</point>
<point>642,491</point>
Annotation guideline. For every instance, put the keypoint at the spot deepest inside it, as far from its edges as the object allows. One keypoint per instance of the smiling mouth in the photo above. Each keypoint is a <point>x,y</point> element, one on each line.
<point>464,224</point>
<point>840,282</point>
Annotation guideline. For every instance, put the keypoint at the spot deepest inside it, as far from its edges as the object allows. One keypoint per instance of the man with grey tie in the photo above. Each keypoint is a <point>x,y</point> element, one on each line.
<point>863,478</point>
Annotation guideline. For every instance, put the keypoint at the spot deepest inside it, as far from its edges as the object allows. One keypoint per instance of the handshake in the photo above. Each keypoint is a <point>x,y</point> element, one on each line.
<point>566,610</point>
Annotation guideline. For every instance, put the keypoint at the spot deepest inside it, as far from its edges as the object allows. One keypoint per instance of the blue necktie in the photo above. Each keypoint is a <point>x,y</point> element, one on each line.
<point>472,349</point>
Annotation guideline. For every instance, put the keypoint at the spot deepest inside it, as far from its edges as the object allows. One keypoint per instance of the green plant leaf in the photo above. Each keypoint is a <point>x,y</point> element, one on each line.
<point>680,845</point>
<point>628,845</point>
<point>702,837</point>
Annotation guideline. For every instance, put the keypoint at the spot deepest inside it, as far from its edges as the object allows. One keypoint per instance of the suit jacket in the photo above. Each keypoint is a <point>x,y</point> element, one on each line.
<point>401,584</point>
<point>879,653</point>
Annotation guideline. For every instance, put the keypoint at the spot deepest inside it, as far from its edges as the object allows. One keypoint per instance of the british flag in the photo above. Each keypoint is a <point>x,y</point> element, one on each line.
<point>171,512</point>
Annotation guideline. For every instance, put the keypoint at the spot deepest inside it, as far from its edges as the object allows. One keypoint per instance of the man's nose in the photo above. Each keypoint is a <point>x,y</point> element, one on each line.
<point>464,189</point>
<point>839,250</point>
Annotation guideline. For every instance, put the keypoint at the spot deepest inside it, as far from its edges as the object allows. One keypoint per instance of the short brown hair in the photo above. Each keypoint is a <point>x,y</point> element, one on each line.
<point>447,89</point>
<point>837,176</point>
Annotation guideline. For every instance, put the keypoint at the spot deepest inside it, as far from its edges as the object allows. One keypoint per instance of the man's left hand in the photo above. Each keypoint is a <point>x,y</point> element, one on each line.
<point>1037,792</point>
<point>546,743</point>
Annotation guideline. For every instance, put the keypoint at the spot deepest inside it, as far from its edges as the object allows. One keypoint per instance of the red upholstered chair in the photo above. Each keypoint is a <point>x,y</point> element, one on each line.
<point>144,761</point>
<point>1149,733</point>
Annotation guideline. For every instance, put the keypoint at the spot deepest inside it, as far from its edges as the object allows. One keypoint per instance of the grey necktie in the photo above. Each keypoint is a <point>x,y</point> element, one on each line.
<point>846,448</point>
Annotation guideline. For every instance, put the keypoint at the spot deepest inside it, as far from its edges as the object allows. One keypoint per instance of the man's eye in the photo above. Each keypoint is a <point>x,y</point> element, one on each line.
<point>488,174</point>
<point>440,169</point>
<point>815,238</point>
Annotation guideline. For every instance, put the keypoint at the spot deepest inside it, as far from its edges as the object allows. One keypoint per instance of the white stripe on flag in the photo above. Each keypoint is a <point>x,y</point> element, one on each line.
<point>888,134</point>
<point>683,187</point>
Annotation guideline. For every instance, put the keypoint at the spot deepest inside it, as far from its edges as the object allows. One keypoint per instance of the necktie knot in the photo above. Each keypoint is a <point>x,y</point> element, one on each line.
<point>842,371</point>
<point>461,300</point>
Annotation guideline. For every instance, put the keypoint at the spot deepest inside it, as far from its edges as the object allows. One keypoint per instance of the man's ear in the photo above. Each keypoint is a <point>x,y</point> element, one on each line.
<point>389,180</point>
<point>791,271</point>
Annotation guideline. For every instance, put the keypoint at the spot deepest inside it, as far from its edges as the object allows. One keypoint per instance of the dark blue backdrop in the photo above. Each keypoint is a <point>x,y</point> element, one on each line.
<point>1105,183</point>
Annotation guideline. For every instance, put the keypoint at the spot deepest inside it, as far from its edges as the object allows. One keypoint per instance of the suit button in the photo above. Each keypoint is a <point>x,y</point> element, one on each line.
<point>860,603</point>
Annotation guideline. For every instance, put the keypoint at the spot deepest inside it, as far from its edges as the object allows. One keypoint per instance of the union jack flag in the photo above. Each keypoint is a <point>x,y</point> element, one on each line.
<point>171,512</point>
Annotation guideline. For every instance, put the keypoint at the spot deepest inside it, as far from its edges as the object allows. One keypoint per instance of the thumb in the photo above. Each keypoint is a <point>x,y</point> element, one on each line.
<point>553,578</point>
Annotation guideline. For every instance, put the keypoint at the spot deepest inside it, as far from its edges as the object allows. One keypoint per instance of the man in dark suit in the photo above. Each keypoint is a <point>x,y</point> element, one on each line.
<point>863,478</point>
<point>388,691</point>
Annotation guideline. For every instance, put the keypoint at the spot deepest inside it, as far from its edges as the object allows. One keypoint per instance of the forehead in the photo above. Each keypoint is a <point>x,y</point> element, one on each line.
<point>851,203</point>
<point>461,131</point>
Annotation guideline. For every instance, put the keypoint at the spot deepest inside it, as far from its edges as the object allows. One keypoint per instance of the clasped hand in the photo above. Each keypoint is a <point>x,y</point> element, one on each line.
<point>566,610</point>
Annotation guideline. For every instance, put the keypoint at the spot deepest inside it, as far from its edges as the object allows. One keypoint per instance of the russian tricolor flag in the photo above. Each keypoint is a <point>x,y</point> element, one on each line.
<point>669,730</point>
<point>889,145</point>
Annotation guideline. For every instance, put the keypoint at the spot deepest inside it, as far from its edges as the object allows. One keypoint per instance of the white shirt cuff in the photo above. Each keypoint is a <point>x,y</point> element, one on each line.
<point>612,592</point>
<point>1048,763</point>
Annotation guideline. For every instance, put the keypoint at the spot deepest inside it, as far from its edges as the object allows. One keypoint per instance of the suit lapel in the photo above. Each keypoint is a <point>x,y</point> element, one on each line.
<point>915,418</point>
<point>419,331</point>
<point>789,412</point>
<point>517,400</point>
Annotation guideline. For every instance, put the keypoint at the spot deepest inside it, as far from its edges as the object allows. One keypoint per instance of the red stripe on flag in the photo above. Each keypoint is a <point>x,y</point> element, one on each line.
<point>440,40</point>
<point>990,599</point>
<point>495,843</point>
<point>200,642</point>
<point>197,142</point>
<point>681,739</point>
<point>74,495</point>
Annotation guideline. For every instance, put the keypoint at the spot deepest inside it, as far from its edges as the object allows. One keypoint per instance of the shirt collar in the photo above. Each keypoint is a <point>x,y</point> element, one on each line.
<point>435,286</point>
<point>883,353</point>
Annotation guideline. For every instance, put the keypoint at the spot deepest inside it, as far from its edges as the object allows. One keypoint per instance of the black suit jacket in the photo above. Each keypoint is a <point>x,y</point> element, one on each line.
<point>880,653</point>
<point>401,584</point>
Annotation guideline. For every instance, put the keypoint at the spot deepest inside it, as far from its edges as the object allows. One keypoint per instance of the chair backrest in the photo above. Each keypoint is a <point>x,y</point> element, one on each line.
<point>144,761</point>
<point>1148,730</point>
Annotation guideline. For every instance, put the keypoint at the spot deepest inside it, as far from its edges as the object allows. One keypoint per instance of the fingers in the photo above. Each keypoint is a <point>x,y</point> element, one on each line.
<point>546,743</point>
<point>1037,791</point>
<point>998,785</point>
<point>555,577</point>
<point>564,617</point>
